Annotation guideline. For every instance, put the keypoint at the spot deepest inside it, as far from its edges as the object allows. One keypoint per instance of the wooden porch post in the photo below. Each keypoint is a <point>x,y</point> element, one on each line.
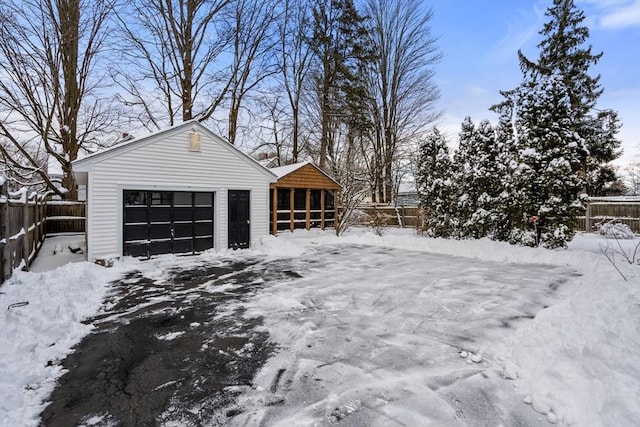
<point>336,197</point>
<point>274,213</point>
<point>322,209</point>
<point>292,200</point>
<point>308,206</point>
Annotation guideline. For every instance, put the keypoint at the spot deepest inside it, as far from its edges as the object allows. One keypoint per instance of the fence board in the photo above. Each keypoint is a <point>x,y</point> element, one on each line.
<point>409,215</point>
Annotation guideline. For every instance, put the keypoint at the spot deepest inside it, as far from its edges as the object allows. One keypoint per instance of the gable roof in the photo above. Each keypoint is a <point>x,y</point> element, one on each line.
<point>282,171</point>
<point>286,174</point>
<point>85,164</point>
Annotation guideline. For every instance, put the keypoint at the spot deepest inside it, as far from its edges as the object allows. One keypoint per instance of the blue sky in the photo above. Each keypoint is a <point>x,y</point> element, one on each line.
<point>480,40</point>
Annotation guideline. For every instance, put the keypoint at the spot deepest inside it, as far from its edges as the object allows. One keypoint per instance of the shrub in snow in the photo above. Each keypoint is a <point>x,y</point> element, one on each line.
<point>615,229</point>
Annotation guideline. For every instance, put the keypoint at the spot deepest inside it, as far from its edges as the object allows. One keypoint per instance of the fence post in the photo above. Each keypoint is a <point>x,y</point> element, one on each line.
<point>587,218</point>
<point>25,225</point>
<point>5,254</point>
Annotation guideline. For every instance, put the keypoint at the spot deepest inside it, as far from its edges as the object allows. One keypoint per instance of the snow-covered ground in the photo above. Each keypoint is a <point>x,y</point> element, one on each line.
<point>392,330</point>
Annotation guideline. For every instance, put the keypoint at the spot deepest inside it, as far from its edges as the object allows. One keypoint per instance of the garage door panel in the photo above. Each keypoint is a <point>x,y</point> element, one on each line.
<point>160,214</point>
<point>203,213</point>
<point>135,232</point>
<point>135,214</point>
<point>182,246</point>
<point>183,230</point>
<point>204,199</point>
<point>160,231</point>
<point>136,249</point>
<point>202,244</point>
<point>203,228</point>
<point>183,213</point>
<point>160,247</point>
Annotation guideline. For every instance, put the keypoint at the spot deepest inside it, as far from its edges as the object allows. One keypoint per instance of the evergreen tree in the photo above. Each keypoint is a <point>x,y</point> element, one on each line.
<point>547,173</point>
<point>464,205</point>
<point>563,53</point>
<point>435,186</point>
<point>558,145</point>
<point>484,171</point>
<point>506,204</point>
<point>476,169</point>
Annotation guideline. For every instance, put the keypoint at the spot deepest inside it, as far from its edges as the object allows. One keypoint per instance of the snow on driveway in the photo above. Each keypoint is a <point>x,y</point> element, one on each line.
<point>398,330</point>
<point>381,336</point>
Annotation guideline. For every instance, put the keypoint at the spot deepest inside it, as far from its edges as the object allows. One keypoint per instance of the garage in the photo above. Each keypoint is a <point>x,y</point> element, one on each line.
<point>159,222</point>
<point>176,191</point>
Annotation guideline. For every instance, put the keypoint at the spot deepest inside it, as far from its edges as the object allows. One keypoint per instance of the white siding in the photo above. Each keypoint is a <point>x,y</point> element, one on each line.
<point>167,164</point>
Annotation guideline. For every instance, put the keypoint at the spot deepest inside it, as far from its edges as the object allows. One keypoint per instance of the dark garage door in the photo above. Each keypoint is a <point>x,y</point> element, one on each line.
<point>161,222</point>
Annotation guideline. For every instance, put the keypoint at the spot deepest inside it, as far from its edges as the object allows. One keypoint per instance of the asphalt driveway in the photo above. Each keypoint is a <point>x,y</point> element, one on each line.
<point>163,346</point>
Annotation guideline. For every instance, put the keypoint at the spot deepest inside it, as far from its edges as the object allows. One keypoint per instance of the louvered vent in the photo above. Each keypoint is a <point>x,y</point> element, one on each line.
<point>194,141</point>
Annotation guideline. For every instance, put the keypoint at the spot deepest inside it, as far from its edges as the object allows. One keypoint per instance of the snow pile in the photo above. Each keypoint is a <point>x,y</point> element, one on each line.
<point>41,315</point>
<point>580,359</point>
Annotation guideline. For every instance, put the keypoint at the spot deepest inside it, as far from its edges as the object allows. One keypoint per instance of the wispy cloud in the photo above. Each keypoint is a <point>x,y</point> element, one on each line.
<point>523,28</point>
<point>615,14</point>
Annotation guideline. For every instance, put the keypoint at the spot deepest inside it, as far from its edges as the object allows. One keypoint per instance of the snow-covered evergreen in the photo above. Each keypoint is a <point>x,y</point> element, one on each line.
<point>435,186</point>
<point>478,166</point>
<point>547,174</point>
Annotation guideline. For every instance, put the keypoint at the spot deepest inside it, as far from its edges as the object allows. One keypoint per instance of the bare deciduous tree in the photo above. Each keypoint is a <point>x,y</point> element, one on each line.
<point>401,82</point>
<point>252,50</point>
<point>170,68</point>
<point>294,58</point>
<point>49,97</point>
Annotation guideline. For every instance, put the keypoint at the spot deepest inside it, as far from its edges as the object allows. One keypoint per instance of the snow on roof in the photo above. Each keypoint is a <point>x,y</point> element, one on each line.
<point>281,171</point>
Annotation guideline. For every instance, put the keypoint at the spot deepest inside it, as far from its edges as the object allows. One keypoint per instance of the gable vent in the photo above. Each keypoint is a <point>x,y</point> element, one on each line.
<point>194,141</point>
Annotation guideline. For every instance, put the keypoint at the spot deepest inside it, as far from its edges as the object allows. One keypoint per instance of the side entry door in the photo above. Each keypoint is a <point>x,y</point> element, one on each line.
<point>239,222</point>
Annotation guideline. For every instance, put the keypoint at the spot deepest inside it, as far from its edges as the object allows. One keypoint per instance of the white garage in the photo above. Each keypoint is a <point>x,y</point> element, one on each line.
<point>180,190</point>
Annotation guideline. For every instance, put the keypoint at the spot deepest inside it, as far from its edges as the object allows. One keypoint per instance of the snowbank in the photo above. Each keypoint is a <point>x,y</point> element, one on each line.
<point>37,335</point>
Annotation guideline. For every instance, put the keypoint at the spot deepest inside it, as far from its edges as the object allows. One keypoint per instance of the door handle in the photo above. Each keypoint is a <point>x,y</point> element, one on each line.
<point>248,221</point>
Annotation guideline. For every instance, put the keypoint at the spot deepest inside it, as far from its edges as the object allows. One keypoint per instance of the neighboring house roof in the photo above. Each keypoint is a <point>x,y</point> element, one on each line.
<point>299,175</point>
<point>85,164</point>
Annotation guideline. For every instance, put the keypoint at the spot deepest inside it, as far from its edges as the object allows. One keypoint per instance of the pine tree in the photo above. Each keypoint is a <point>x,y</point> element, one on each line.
<point>558,144</point>
<point>435,186</point>
<point>563,53</point>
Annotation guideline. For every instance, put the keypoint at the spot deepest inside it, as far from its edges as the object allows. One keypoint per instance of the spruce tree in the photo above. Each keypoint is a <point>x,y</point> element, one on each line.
<point>563,52</point>
<point>559,141</point>
<point>435,185</point>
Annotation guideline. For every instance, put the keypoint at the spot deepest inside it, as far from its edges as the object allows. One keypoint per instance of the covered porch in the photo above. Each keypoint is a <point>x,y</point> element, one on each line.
<point>302,198</point>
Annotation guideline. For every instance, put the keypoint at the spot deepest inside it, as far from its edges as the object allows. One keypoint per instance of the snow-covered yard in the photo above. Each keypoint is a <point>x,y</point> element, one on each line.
<point>392,330</point>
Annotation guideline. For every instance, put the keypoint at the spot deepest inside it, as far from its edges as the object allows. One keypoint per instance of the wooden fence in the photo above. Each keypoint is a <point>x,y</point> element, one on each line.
<point>623,209</point>
<point>22,230</point>
<point>65,217</point>
<point>24,222</point>
<point>404,216</point>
